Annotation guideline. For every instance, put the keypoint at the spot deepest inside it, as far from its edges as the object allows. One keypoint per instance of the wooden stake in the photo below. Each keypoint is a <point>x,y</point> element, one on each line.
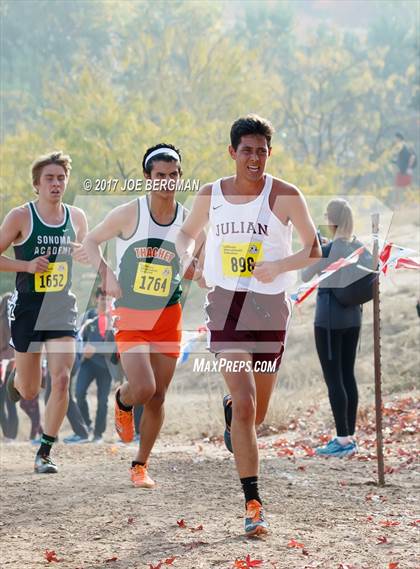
<point>377,354</point>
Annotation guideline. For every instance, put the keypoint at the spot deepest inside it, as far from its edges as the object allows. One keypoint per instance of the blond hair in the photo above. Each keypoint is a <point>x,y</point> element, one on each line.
<point>340,214</point>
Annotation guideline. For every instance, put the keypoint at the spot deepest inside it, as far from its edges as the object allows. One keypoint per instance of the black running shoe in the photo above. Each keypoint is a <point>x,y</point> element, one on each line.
<point>44,465</point>
<point>227,407</point>
<point>12,392</point>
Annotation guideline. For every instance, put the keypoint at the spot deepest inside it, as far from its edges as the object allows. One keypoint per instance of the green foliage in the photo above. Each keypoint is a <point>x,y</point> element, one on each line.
<point>104,80</point>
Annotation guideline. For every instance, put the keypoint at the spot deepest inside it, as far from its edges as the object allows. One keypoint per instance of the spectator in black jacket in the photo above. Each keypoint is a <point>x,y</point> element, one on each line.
<point>97,335</point>
<point>337,329</point>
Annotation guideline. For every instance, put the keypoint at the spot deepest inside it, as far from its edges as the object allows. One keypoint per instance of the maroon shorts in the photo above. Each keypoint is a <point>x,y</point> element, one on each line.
<point>248,322</point>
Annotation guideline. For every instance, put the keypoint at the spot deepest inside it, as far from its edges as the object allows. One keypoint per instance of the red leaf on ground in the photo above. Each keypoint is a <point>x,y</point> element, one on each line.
<point>285,452</point>
<point>301,468</point>
<point>181,523</point>
<point>198,528</point>
<point>382,539</point>
<point>414,523</point>
<point>169,561</point>
<point>111,559</point>
<point>158,566</point>
<point>130,520</point>
<point>393,565</point>
<point>388,523</point>
<point>51,556</point>
<point>280,443</point>
<point>247,563</point>
<point>369,518</point>
<point>252,562</point>
<point>308,451</point>
<point>293,543</point>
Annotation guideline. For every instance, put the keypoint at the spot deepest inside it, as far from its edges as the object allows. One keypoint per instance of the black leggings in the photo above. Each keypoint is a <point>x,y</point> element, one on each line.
<point>339,375</point>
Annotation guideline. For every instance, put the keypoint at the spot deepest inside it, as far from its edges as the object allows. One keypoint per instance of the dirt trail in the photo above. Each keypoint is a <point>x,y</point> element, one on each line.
<point>89,514</point>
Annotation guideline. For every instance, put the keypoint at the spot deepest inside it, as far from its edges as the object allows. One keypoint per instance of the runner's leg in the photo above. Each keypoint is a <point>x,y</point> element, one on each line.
<point>61,354</point>
<point>28,374</point>
<point>264,383</point>
<point>241,386</point>
<point>153,412</point>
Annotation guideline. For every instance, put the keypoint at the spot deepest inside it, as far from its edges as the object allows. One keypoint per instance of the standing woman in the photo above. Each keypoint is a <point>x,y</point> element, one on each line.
<point>337,329</point>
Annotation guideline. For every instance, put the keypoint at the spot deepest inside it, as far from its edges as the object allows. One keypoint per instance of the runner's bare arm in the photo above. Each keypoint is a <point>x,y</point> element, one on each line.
<point>191,231</point>
<point>81,227</point>
<point>112,226</point>
<point>11,230</point>
<point>292,205</point>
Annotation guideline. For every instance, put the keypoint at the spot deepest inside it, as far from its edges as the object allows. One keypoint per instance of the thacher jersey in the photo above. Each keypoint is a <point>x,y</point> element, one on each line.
<point>54,241</point>
<point>148,268</point>
<point>239,236</point>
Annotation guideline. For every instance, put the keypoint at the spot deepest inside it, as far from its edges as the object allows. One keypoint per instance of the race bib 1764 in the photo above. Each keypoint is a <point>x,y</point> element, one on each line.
<point>153,279</point>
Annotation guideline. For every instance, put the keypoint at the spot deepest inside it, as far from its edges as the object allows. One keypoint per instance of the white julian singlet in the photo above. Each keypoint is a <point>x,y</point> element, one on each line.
<point>239,236</point>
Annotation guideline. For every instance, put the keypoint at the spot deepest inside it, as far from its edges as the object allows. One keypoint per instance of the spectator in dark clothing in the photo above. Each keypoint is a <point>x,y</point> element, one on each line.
<point>337,329</point>
<point>405,161</point>
<point>97,334</point>
<point>8,414</point>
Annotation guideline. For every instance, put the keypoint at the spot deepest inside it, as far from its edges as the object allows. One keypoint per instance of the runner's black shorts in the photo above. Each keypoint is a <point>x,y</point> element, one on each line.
<point>248,322</point>
<point>34,319</point>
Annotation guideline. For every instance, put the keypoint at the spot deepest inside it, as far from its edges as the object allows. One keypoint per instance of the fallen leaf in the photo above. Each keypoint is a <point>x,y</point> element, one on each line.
<point>388,523</point>
<point>382,539</point>
<point>181,523</point>
<point>295,544</point>
<point>51,556</point>
<point>247,563</point>
<point>198,528</point>
<point>130,520</point>
<point>111,559</point>
<point>393,565</point>
<point>169,561</point>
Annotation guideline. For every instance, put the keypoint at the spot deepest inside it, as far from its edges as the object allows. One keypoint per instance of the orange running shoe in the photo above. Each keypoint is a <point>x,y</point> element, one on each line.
<point>140,477</point>
<point>255,523</point>
<point>124,422</point>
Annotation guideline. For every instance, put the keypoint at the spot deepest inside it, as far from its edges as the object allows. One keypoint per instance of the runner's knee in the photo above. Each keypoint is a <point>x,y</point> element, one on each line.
<point>60,382</point>
<point>157,400</point>
<point>29,391</point>
<point>142,394</point>
<point>244,408</point>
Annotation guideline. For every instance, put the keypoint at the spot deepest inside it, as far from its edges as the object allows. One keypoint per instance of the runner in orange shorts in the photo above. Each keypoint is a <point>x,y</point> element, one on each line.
<point>147,289</point>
